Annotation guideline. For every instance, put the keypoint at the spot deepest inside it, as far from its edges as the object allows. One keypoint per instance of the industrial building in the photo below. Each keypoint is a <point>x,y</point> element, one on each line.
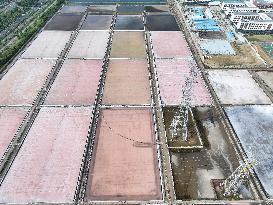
<point>251,16</point>
<point>202,20</point>
<point>247,16</point>
<point>249,7</point>
<point>258,25</point>
<point>263,4</point>
<point>232,4</point>
<point>252,22</point>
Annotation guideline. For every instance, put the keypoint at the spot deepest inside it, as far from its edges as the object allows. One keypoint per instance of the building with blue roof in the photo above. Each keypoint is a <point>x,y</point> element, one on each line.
<point>201,23</point>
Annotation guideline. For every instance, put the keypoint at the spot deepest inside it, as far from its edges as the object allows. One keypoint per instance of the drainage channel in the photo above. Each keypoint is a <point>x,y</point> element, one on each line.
<point>19,138</point>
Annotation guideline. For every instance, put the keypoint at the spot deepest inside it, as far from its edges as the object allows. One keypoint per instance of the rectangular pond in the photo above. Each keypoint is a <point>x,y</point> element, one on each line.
<point>47,166</point>
<point>123,169</point>
<point>48,44</point>
<point>76,83</point>
<point>127,83</point>
<point>236,87</point>
<point>21,84</point>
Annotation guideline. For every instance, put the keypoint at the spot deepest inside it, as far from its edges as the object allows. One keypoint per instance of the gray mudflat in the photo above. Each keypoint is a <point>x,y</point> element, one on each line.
<point>159,8</point>
<point>129,22</point>
<point>73,9</point>
<point>107,9</point>
<point>97,22</point>
<point>130,9</point>
<point>253,126</point>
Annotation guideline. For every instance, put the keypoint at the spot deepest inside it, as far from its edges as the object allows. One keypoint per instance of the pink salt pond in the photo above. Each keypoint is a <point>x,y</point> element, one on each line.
<point>122,169</point>
<point>169,44</point>
<point>172,77</point>
<point>10,120</point>
<point>47,166</point>
<point>21,84</point>
<point>76,83</point>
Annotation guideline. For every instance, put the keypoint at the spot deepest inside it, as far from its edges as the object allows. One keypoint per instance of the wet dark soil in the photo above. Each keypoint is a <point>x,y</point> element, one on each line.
<point>217,159</point>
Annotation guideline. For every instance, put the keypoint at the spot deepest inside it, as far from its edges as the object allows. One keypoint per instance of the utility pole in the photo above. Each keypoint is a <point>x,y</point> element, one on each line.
<point>231,186</point>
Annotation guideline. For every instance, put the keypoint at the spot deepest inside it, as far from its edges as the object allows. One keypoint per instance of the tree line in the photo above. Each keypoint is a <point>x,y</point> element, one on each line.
<point>10,16</point>
<point>28,32</point>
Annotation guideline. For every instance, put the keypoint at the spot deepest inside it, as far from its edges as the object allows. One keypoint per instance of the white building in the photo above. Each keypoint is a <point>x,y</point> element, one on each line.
<point>265,24</point>
<point>263,4</point>
<point>265,17</point>
<point>247,16</point>
<point>269,10</point>
<point>249,7</point>
<point>251,16</point>
<point>232,4</point>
